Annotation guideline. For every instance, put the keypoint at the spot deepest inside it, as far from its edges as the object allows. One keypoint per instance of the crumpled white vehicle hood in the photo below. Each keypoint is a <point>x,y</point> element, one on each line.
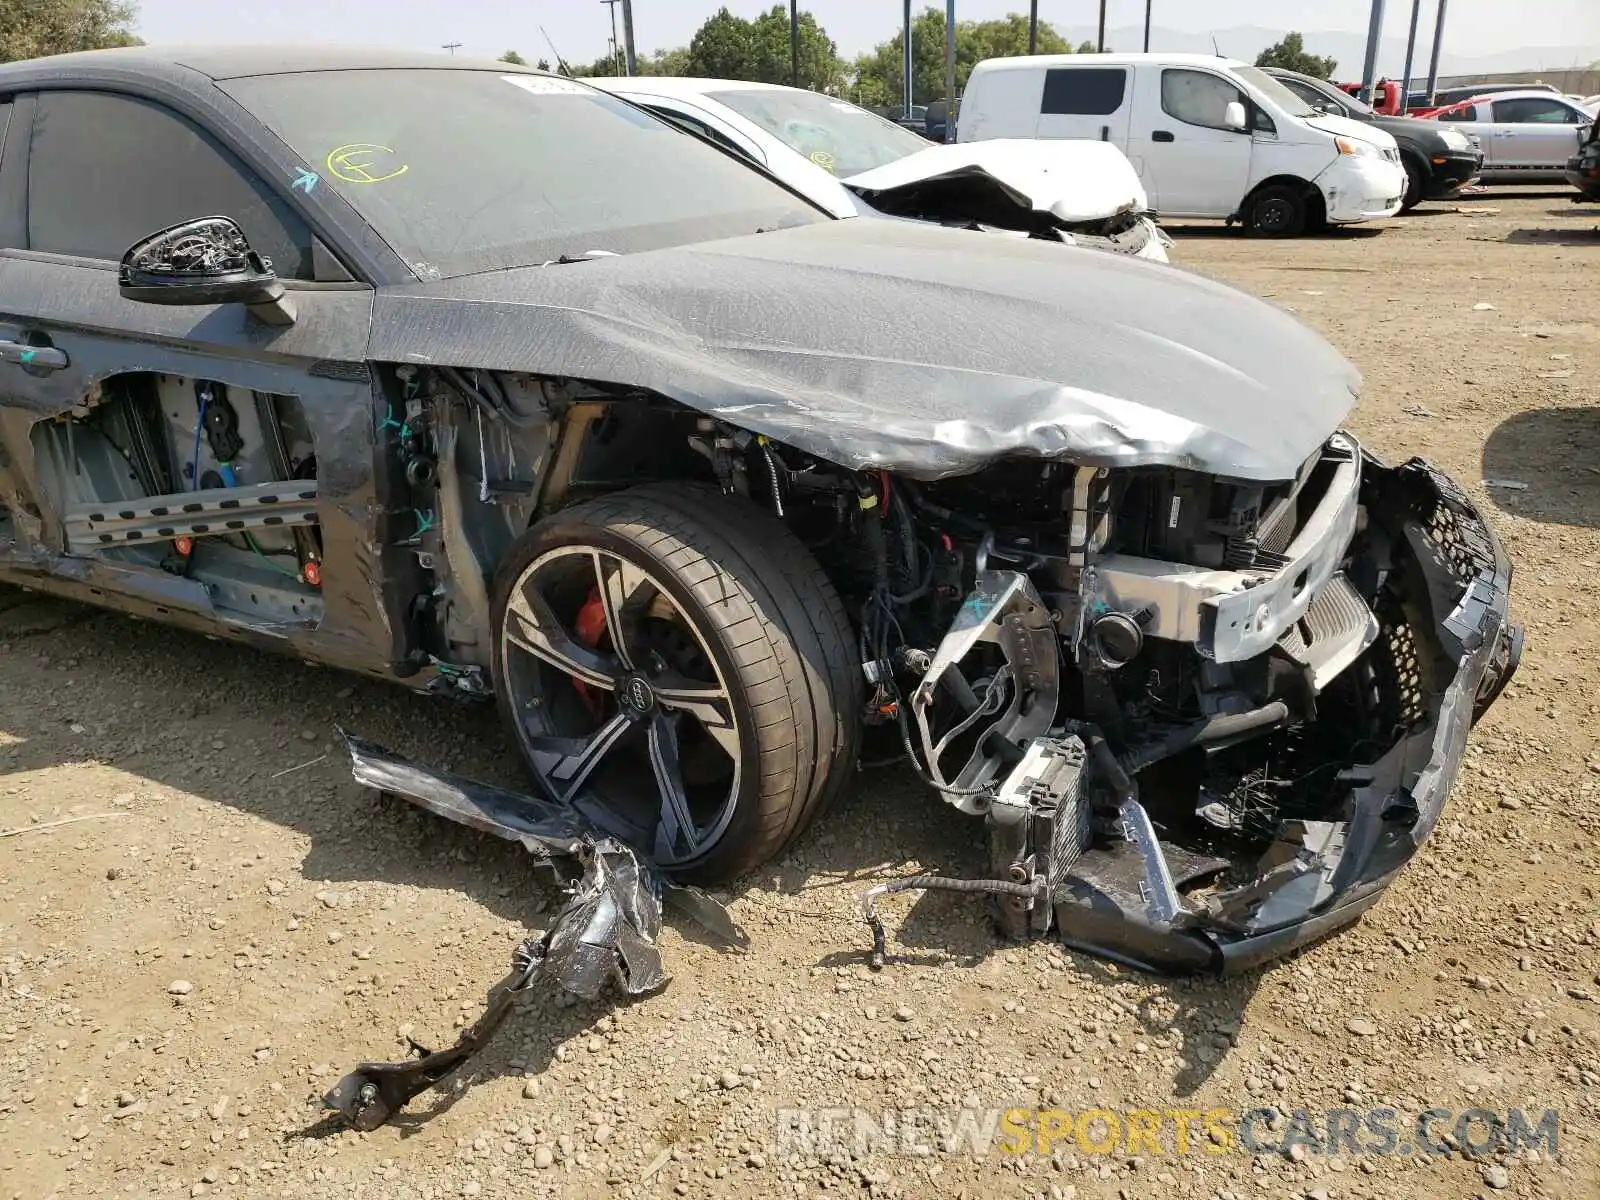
<point>1071,180</point>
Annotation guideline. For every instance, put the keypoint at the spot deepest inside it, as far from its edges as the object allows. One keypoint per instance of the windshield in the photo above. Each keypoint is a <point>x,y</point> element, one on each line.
<point>464,171</point>
<point>1326,93</point>
<point>1356,104</point>
<point>833,134</point>
<point>1274,91</point>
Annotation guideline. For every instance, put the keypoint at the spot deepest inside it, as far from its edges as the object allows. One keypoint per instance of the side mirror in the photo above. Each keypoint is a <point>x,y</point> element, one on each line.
<point>1234,116</point>
<point>205,261</point>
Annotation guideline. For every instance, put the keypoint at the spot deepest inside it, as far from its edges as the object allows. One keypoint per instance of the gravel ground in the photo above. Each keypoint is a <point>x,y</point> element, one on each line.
<point>182,975</point>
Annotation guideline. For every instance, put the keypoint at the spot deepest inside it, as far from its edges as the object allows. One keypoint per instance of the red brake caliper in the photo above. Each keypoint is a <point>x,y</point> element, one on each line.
<point>590,628</point>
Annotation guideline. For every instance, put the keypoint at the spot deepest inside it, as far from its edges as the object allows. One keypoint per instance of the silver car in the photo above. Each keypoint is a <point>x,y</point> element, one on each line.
<point>1527,135</point>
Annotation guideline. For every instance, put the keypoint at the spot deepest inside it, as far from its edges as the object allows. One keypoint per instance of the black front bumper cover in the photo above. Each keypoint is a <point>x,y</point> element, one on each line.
<point>1319,876</point>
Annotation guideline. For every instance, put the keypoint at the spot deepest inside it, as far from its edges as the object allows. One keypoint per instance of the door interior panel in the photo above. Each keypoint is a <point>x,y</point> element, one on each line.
<point>190,476</point>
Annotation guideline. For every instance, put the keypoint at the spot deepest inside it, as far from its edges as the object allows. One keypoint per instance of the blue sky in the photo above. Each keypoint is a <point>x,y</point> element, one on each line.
<point>580,27</point>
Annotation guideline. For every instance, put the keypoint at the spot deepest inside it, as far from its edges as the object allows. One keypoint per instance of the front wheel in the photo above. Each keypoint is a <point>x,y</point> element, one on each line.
<point>674,663</point>
<point>1277,212</point>
<point>1416,180</point>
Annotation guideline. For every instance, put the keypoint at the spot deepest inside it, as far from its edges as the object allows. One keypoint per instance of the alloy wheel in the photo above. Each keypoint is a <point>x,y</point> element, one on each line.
<point>620,705</point>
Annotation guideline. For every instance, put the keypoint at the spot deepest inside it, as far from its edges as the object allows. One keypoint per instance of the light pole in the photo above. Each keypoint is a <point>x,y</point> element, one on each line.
<point>1101,43</point>
<point>1411,45</point>
<point>1033,26</point>
<point>1147,26</point>
<point>949,68</point>
<point>907,49</point>
<point>1438,41</point>
<point>1370,67</point>
<point>616,44</point>
<point>794,43</point>
<point>630,60</point>
<point>452,47</point>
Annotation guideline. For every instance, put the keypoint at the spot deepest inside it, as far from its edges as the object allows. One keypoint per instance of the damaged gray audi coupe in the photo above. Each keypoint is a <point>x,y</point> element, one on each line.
<point>481,380</point>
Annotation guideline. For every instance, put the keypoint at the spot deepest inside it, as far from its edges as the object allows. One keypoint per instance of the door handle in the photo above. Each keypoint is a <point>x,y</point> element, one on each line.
<point>1162,135</point>
<point>37,359</point>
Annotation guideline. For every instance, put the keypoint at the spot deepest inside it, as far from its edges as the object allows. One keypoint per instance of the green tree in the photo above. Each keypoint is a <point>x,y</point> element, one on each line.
<point>35,28</point>
<point>720,48</point>
<point>543,64</point>
<point>657,62</point>
<point>880,72</point>
<point>606,64</point>
<point>729,47</point>
<point>1290,54</point>
<point>515,59</point>
<point>665,62</point>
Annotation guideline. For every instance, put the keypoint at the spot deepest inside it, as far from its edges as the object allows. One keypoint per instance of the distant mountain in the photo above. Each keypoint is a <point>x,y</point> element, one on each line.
<point>1246,41</point>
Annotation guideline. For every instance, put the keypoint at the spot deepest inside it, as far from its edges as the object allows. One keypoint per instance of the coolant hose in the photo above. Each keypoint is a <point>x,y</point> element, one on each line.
<point>1212,729</point>
<point>930,883</point>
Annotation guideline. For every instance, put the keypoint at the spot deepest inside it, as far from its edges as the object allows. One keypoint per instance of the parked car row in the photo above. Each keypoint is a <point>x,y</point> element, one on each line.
<point>1274,150</point>
<point>1438,162</point>
<point>1275,163</point>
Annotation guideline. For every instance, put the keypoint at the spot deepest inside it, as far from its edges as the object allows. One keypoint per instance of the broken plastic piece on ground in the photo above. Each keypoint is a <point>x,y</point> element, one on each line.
<point>607,932</point>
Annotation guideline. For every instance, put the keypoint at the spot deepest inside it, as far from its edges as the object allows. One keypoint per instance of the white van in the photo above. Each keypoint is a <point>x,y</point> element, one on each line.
<point>1211,137</point>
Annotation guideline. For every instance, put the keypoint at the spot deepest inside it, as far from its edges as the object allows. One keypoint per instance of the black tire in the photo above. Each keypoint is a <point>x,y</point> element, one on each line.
<point>1416,180</point>
<point>1278,211</point>
<point>773,627</point>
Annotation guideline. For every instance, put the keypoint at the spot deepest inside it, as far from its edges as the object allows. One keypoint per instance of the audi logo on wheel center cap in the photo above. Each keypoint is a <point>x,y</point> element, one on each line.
<point>637,694</point>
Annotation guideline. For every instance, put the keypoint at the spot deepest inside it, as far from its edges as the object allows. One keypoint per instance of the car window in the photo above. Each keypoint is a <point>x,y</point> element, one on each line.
<point>1533,110</point>
<point>464,170</point>
<point>1466,113</point>
<point>107,170</point>
<point>1332,99</point>
<point>13,181</point>
<point>696,126</point>
<point>1084,91</point>
<point>1197,97</point>
<point>1305,91</point>
<point>1274,91</point>
<point>836,135</point>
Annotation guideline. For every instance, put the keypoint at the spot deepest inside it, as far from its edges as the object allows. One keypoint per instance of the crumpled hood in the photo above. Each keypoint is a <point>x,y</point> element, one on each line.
<point>899,345</point>
<point>1069,180</point>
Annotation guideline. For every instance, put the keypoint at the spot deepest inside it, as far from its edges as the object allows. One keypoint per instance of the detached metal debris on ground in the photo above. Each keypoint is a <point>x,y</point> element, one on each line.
<point>608,931</point>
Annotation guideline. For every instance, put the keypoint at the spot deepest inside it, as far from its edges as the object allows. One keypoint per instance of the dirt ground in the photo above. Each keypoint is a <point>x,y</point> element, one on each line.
<point>182,975</point>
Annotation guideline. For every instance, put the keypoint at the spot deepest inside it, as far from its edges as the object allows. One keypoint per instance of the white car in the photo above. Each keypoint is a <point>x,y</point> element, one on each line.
<point>1526,135</point>
<point>1211,137</point>
<point>852,162</point>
